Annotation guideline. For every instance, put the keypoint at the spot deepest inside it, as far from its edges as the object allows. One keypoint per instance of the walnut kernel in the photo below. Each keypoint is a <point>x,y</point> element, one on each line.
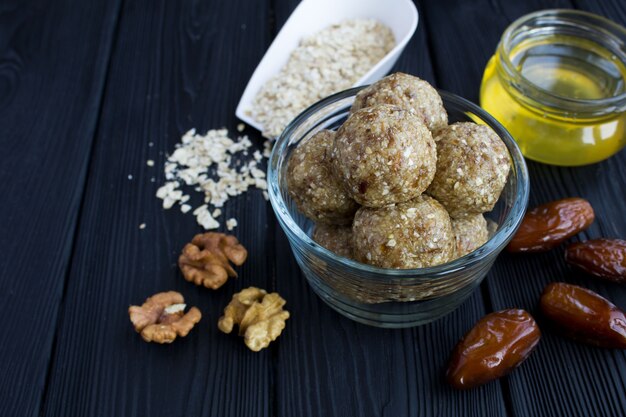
<point>205,261</point>
<point>260,317</point>
<point>161,317</point>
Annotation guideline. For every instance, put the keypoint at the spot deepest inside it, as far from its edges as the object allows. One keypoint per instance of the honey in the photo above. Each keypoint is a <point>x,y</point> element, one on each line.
<point>558,85</point>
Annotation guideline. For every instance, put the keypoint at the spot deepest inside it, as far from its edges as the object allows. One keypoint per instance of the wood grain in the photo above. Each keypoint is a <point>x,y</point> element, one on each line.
<point>127,79</point>
<point>53,61</point>
<point>561,378</point>
<point>328,365</point>
<point>176,65</point>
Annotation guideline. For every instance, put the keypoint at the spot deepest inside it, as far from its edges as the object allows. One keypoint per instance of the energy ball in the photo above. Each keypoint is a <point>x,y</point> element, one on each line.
<point>384,155</point>
<point>472,167</point>
<point>314,187</point>
<point>337,239</point>
<point>470,233</point>
<point>414,234</point>
<point>408,92</point>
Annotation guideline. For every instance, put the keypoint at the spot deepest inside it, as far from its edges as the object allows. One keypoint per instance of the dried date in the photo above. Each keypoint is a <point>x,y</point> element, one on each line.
<point>498,343</point>
<point>548,225</point>
<point>584,315</point>
<point>604,258</point>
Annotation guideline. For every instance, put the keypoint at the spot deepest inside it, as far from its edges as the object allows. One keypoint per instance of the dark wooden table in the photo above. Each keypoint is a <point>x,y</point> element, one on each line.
<point>90,90</point>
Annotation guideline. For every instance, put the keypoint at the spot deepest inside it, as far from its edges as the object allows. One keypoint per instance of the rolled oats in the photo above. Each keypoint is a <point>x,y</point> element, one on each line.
<point>207,164</point>
<point>327,62</point>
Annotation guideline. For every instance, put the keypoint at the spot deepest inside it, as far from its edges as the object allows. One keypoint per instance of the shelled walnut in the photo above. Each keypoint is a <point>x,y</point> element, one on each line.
<point>260,317</point>
<point>206,260</point>
<point>161,317</point>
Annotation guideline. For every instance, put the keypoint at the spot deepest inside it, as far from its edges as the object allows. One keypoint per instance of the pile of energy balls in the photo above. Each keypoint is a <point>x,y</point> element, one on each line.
<point>396,186</point>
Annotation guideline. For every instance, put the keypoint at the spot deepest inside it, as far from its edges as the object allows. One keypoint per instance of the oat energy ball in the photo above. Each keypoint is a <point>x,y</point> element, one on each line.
<point>472,167</point>
<point>314,187</point>
<point>415,234</point>
<point>408,92</point>
<point>384,155</point>
<point>337,239</point>
<point>470,233</point>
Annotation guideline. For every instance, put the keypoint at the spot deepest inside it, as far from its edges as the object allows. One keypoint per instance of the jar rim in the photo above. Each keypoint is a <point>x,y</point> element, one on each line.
<point>494,245</point>
<point>613,35</point>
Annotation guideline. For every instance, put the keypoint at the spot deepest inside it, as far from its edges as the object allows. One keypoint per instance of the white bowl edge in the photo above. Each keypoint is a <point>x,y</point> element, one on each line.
<point>311,16</point>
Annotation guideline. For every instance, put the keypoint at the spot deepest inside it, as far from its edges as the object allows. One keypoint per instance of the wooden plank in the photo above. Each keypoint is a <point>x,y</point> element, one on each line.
<point>53,61</point>
<point>561,378</point>
<point>464,35</point>
<point>328,365</point>
<point>176,65</point>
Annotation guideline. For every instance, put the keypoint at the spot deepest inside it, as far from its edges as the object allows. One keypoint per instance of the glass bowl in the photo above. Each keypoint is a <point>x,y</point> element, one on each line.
<point>391,297</point>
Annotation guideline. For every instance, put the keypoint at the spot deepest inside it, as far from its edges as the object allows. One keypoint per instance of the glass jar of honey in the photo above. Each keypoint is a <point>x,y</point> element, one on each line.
<point>557,82</point>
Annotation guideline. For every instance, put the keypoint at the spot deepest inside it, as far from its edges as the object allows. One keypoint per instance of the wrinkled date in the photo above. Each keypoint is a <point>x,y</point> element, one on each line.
<point>498,343</point>
<point>548,225</point>
<point>604,258</point>
<point>584,315</point>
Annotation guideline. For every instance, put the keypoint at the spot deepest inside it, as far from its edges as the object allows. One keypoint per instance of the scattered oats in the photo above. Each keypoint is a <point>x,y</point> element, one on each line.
<point>205,220</point>
<point>176,195</point>
<point>164,190</point>
<point>168,203</point>
<point>142,226</point>
<point>266,196</point>
<point>326,62</point>
<point>151,144</point>
<point>257,173</point>
<point>150,162</point>
<point>152,179</point>
<point>260,183</point>
<point>267,148</point>
<point>203,207</point>
<point>216,166</point>
<point>130,177</point>
<point>231,224</point>
<point>241,127</point>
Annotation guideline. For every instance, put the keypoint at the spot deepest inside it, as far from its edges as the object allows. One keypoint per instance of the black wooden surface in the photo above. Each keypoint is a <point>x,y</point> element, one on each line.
<point>53,63</point>
<point>91,90</point>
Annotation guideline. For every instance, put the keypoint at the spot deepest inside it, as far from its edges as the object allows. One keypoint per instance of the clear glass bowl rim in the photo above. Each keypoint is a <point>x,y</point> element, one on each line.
<point>600,106</point>
<point>497,242</point>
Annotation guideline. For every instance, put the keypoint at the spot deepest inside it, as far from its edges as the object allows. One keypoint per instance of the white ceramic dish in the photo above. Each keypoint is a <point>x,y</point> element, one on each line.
<point>312,16</point>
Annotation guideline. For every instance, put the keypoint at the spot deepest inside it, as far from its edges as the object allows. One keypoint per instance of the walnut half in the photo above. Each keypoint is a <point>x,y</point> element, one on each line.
<point>260,317</point>
<point>161,318</point>
<point>205,261</point>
